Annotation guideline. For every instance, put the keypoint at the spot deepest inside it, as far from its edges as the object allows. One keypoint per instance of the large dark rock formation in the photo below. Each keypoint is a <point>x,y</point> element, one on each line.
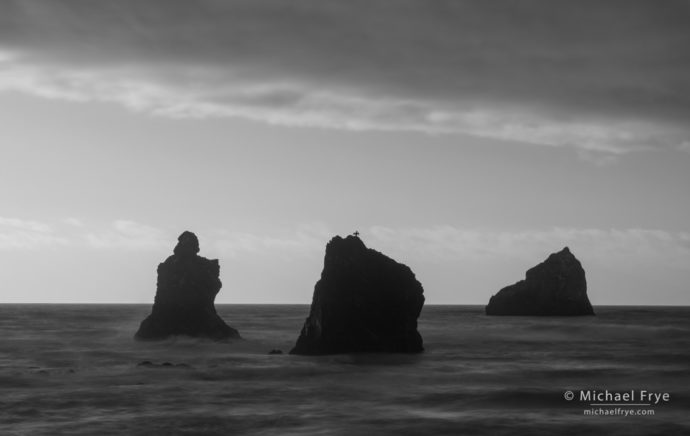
<point>186,291</point>
<point>364,302</point>
<point>556,286</point>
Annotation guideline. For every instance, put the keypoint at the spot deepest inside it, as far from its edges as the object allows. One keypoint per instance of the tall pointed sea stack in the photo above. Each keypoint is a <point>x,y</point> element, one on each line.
<point>555,287</point>
<point>364,302</point>
<point>185,295</point>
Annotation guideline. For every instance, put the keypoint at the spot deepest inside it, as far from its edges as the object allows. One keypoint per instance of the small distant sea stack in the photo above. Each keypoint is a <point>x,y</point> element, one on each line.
<point>555,287</point>
<point>364,302</point>
<point>185,295</point>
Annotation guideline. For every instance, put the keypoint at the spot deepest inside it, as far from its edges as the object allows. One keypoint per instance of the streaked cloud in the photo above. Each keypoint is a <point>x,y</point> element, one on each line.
<point>29,225</point>
<point>16,233</point>
<point>601,247</point>
<point>607,77</point>
<point>125,234</point>
<point>439,244</point>
<point>306,240</point>
<point>76,222</point>
<point>20,234</point>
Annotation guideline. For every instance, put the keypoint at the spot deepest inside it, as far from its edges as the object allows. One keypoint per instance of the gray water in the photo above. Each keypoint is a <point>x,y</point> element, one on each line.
<point>73,369</point>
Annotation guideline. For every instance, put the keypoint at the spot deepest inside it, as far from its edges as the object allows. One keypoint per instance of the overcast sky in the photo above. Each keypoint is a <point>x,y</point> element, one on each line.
<point>466,139</point>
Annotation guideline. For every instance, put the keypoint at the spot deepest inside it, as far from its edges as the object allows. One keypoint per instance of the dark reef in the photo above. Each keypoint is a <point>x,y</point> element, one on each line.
<point>555,287</point>
<point>364,302</point>
<point>185,295</point>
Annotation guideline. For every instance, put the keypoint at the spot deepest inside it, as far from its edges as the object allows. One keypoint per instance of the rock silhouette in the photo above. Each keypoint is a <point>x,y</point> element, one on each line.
<point>555,287</point>
<point>364,302</point>
<point>185,295</point>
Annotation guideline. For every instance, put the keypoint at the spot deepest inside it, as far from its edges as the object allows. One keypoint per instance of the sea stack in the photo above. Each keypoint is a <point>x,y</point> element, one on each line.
<point>364,302</point>
<point>185,295</point>
<point>555,287</point>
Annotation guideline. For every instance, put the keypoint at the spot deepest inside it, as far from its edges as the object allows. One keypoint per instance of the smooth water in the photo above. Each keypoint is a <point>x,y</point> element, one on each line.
<point>73,369</point>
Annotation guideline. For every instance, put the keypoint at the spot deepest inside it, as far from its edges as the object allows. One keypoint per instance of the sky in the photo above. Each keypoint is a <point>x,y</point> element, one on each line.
<point>465,139</point>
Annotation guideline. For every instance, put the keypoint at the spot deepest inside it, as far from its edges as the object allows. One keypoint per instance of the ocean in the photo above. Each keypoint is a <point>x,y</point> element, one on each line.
<point>76,370</point>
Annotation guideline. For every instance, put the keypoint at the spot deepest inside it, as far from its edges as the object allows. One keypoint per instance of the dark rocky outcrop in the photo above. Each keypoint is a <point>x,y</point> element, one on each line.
<point>555,287</point>
<point>185,295</point>
<point>364,302</point>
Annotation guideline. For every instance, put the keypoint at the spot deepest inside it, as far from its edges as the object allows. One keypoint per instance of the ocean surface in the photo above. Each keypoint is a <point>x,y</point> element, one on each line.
<point>75,370</point>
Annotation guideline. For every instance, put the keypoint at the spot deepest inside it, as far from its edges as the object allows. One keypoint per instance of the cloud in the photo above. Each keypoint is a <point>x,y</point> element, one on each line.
<point>71,232</point>
<point>612,247</point>
<point>29,225</point>
<point>599,76</point>
<point>306,240</point>
<point>75,222</point>
<point>125,234</point>
<point>440,245</point>
<point>19,234</point>
<point>128,235</point>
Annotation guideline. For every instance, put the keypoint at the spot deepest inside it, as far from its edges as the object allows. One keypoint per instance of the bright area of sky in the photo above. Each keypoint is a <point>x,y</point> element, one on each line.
<point>466,140</point>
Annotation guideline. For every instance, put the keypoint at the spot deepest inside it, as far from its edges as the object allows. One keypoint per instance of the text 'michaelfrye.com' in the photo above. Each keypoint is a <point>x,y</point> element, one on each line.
<point>633,402</point>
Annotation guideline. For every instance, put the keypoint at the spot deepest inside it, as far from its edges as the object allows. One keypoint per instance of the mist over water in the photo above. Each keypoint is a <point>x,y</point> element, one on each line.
<point>73,369</point>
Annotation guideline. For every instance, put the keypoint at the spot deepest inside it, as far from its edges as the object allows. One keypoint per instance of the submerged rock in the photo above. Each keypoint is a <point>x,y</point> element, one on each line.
<point>364,302</point>
<point>185,295</point>
<point>556,286</point>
